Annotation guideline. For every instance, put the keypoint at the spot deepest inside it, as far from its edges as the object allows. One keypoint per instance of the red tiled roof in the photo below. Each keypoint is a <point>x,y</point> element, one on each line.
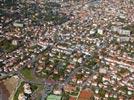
<point>132,98</point>
<point>72,98</point>
<point>85,95</point>
<point>69,88</point>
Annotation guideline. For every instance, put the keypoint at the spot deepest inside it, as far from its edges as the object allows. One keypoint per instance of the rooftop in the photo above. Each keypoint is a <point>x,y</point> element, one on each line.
<point>85,95</point>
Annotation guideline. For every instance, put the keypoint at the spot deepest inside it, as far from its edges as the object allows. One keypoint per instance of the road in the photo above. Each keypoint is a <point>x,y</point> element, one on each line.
<point>47,89</point>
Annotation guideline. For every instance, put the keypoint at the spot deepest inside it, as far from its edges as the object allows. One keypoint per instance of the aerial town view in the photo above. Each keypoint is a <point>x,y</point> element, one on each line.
<point>66,49</point>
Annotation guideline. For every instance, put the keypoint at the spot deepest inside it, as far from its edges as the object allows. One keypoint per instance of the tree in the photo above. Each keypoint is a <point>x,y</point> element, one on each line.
<point>102,92</point>
<point>65,96</point>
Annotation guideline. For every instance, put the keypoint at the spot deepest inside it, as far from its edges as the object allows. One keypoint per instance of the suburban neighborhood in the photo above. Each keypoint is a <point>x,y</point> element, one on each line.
<point>67,50</point>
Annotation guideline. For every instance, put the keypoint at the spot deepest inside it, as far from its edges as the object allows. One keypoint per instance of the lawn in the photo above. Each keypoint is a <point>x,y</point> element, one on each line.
<point>27,73</point>
<point>53,97</point>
